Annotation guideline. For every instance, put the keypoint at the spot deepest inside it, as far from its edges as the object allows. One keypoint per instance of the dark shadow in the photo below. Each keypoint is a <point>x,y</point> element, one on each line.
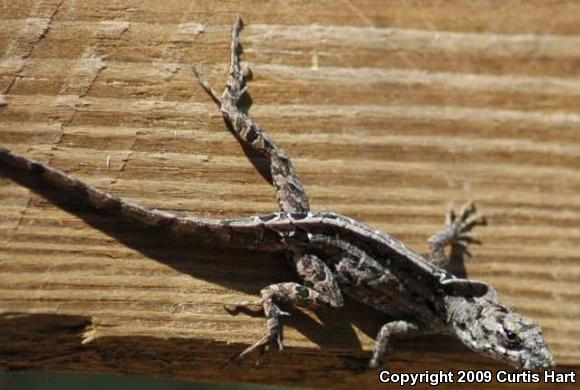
<point>456,261</point>
<point>54,343</point>
<point>225,267</point>
<point>246,101</point>
<point>221,266</point>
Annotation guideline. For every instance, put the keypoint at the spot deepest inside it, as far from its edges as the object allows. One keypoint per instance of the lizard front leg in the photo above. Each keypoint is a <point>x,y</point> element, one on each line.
<point>457,231</point>
<point>289,189</point>
<point>383,344</point>
<point>319,290</point>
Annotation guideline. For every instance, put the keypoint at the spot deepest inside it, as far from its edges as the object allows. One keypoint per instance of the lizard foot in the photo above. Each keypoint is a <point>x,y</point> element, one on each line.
<point>273,336</point>
<point>312,269</point>
<point>458,228</point>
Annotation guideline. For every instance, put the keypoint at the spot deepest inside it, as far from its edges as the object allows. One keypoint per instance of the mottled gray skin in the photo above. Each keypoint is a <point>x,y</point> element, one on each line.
<point>335,255</point>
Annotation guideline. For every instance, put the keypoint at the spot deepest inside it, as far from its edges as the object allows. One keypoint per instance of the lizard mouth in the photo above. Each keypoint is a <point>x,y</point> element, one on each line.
<point>539,362</point>
<point>524,359</point>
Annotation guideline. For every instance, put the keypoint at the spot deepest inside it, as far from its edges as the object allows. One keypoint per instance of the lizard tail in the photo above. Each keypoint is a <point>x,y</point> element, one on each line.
<point>20,168</point>
<point>242,233</point>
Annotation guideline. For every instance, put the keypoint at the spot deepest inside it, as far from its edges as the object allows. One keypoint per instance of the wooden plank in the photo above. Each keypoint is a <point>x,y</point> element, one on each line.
<point>390,110</point>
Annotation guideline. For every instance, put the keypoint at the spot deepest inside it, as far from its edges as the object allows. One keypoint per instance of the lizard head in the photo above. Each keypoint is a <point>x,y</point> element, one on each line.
<point>495,330</point>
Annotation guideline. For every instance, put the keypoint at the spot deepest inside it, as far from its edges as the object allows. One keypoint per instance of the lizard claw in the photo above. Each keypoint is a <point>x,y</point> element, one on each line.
<point>458,231</point>
<point>273,337</point>
<point>461,225</point>
<point>466,220</point>
<point>242,306</point>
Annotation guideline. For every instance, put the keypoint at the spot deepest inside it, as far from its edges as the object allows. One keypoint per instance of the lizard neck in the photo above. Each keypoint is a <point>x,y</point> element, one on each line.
<point>462,312</point>
<point>465,316</point>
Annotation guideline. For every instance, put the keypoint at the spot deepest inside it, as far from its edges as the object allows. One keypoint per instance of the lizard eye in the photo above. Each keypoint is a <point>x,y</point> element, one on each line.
<point>511,337</point>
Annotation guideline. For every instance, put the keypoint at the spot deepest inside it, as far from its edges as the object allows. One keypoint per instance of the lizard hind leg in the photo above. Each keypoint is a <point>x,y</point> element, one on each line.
<point>320,289</point>
<point>290,190</point>
<point>457,232</point>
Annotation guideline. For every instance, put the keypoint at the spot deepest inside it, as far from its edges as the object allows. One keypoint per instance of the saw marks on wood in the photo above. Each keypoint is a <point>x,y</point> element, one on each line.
<point>389,112</point>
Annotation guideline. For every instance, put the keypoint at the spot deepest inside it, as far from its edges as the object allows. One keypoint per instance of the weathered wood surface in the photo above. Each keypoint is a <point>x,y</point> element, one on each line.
<point>390,109</point>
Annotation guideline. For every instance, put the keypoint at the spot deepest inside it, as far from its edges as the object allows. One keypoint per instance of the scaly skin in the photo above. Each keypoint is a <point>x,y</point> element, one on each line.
<point>332,254</point>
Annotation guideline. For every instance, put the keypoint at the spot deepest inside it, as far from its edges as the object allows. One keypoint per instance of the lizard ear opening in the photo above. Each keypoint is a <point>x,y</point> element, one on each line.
<point>465,288</point>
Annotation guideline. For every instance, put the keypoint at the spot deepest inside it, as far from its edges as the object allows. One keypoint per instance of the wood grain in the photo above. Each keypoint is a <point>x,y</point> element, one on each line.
<point>390,110</point>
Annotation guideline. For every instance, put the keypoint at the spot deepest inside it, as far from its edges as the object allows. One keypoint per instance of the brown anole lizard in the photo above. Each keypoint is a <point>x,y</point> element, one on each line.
<point>335,255</point>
